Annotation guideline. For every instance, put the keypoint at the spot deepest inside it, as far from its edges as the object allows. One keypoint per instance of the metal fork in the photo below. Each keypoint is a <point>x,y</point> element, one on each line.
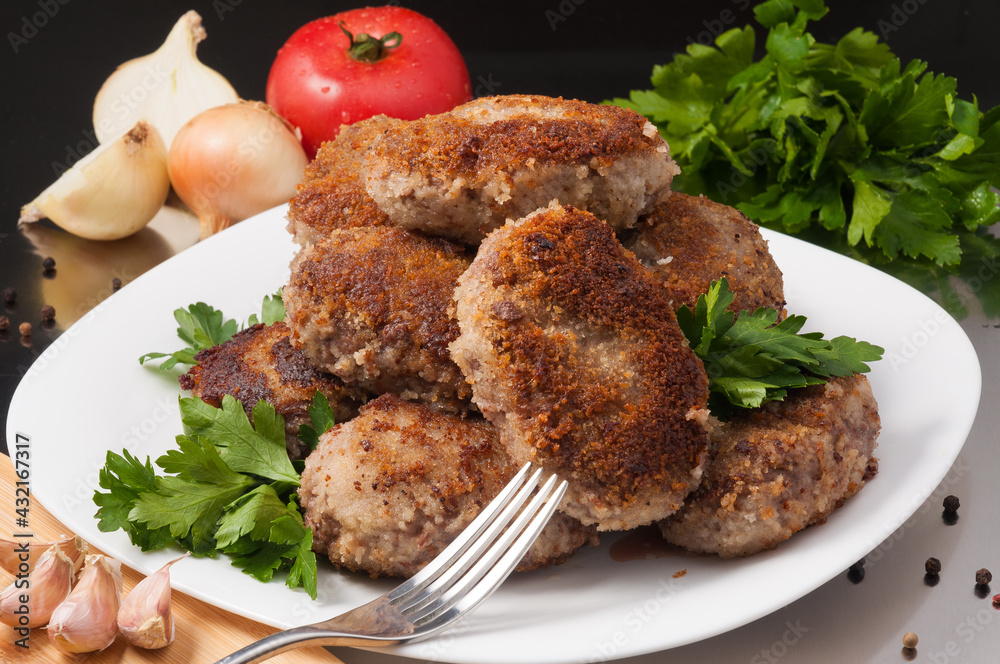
<point>449,588</point>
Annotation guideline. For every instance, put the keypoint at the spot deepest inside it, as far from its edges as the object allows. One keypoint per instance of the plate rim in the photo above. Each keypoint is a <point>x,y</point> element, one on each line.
<point>250,227</point>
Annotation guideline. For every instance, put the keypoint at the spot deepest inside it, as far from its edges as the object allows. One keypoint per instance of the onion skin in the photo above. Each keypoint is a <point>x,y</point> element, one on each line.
<point>234,161</point>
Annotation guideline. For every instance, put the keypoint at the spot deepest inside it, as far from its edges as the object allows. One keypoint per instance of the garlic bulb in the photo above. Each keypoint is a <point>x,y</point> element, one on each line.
<point>88,619</point>
<point>112,192</point>
<point>165,88</point>
<point>235,161</point>
<point>144,618</point>
<point>31,599</point>
<point>20,557</point>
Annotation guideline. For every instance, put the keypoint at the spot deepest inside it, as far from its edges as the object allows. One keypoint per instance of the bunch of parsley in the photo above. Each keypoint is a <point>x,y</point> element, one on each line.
<point>753,358</point>
<point>838,143</point>
<point>229,486</point>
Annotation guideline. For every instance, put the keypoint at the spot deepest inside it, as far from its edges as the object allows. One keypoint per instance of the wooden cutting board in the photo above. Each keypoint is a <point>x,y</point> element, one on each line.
<point>204,634</point>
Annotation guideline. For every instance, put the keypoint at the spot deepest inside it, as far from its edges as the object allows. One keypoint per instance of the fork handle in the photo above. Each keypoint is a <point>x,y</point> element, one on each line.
<point>298,637</point>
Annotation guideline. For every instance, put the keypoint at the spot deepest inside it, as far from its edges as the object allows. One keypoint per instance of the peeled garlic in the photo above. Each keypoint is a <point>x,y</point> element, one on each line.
<point>165,88</point>
<point>112,192</point>
<point>144,618</point>
<point>31,599</point>
<point>88,619</point>
<point>20,557</point>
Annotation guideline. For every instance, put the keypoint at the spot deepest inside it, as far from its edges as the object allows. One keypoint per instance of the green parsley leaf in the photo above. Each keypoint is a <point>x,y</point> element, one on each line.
<point>303,569</point>
<point>125,478</point>
<point>321,415</point>
<point>253,515</point>
<point>257,448</point>
<point>272,310</point>
<point>753,358</point>
<point>201,326</point>
<point>191,504</point>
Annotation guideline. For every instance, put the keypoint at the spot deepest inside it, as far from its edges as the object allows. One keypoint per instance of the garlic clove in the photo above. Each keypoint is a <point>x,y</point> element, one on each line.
<point>87,620</point>
<point>144,618</point>
<point>30,600</point>
<point>112,192</point>
<point>165,88</point>
<point>20,557</point>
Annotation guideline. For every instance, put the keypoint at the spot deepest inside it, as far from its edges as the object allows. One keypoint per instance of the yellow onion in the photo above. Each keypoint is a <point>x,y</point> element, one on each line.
<point>234,161</point>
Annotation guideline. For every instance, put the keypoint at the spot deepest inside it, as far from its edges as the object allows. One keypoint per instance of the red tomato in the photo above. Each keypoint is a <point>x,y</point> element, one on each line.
<point>317,85</point>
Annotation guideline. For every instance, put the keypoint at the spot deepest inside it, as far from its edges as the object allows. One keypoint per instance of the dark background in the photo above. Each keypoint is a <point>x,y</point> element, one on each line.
<point>56,53</point>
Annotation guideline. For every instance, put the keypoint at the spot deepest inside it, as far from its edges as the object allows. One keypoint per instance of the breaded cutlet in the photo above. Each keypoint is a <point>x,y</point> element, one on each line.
<point>774,470</point>
<point>690,241</point>
<point>463,173</point>
<point>575,354</point>
<point>259,363</point>
<point>387,491</point>
<point>370,305</point>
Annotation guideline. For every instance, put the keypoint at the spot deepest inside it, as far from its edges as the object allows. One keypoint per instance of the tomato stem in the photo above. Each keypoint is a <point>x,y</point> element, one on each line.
<point>365,48</point>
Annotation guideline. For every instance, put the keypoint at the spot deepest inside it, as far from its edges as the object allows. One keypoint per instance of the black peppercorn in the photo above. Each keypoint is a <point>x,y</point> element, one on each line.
<point>932,566</point>
<point>116,284</point>
<point>951,504</point>
<point>48,262</point>
<point>48,313</point>
<point>4,323</point>
<point>983,577</point>
<point>9,295</point>
<point>856,572</point>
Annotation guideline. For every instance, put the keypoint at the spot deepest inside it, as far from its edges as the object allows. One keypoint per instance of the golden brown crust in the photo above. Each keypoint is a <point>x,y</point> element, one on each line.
<point>461,174</point>
<point>574,132</point>
<point>331,194</point>
<point>576,355</point>
<point>371,306</point>
<point>775,470</point>
<point>690,241</point>
<point>259,363</point>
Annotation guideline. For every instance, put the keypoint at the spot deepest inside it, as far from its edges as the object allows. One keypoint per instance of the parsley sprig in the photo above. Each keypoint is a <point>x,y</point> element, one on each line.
<point>754,358</point>
<point>227,488</point>
<point>203,326</point>
<point>839,143</point>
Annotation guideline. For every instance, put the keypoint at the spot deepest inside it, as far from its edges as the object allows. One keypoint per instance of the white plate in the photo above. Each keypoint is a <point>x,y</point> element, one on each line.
<point>87,394</point>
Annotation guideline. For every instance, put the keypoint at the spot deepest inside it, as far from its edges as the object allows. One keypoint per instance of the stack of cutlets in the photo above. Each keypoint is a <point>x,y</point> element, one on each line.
<point>497,285</point>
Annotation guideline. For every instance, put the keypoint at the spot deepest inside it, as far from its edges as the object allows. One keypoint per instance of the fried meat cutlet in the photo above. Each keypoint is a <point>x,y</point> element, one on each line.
<point>574,353</point>
<point>259,363</point>
<point>690,241</point>
<point>387,491</point>
<point>463,173</point>
<point>370,305</point>
<point>331,194</point>
<point>776,469</point>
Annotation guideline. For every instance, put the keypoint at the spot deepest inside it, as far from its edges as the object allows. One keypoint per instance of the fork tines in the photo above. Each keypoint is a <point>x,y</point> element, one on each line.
<point>470,569</point>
